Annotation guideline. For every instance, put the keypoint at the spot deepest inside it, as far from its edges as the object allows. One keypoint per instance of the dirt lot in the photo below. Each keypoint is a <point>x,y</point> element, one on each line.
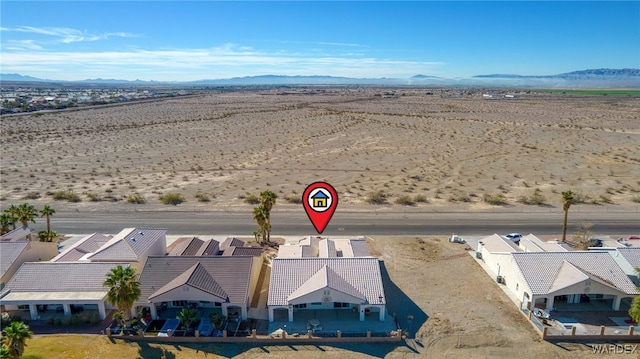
<point>450,147</point>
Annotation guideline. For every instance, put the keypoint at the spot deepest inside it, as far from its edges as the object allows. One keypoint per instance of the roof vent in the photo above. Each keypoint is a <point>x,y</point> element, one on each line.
<point>141,233</point>
<point>133,239</point>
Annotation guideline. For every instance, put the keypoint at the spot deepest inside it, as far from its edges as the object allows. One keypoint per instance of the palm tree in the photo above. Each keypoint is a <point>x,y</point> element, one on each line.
<point>14,338</point>
<point>261,216</point>
<point>26,213</point>
<point>634,311</point>
<point>47,211</point>
<point>567,199</point>
<point>268,199</point>
<point>5,220</point>
<point>187,316</point>
<point>124,288</point>
<point>13,212</point>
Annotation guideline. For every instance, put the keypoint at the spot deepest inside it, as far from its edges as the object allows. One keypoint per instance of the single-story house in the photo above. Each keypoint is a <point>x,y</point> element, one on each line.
<point>335,283</point>
<point>225,282</point>
<point>193,246</point>
<point>311,246</point>
<point>543,279</point>
<point>63,287</point>
<point>132,245</point>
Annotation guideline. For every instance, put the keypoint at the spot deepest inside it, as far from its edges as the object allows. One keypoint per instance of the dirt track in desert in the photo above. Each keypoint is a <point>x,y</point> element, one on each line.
<point>441,147</point>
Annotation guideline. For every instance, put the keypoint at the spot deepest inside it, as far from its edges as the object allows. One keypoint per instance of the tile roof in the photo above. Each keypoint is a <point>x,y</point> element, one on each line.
<point>243,251</point>
<point>496,244</point>
<point>631,255</point>
<point>88,244</point>
<point>542,269</point>
<point>9,252</point>
<point>531,243</point>
<point>325,278</point>
<point>209,248</point>
<point>60,277</point>
<point>232,274</point>
<point>196,277</point>
<point>129,244</point>
<point>17,234</point>
<point>231,242</point>
<point>361,273</point>
<point>325,248</point>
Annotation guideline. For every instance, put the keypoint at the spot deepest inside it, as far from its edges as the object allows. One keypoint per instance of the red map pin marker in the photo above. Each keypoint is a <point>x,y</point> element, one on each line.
<point>320,200</point>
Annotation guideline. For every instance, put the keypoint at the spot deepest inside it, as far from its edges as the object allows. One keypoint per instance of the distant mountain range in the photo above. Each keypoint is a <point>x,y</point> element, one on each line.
<point>597,78</point>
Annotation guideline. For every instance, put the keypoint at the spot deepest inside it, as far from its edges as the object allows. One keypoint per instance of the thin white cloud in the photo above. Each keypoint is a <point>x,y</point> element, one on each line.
<point>68,35</point>
<point>228,60</point>
<point>19,45</point>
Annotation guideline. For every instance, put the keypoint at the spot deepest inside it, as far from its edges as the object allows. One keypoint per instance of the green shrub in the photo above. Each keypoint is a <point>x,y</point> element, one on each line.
<point>95,319</point>
<point>251,199</point>
<point>67,195</point>
<point>376,197</point>
<point>93,197</point>
<point>203,197</point>
<point>495,199</point>
<point>420,198</point>
<point>75,319</point>
<point>292,198</point>
<point>136,199</point>
<point>536,198</point>
<point>172,198</point>
<point>405,200</point>
<point>32,195</point>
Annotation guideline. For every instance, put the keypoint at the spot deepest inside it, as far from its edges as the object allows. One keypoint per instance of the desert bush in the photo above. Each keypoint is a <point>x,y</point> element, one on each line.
<point>405,200</point>
<point>292,198</point>
<point>67,195</point>
<point>251,199</point>
<point>172,198</point>
<point>605,199</point>
<point>32,195</point>
<point>376,197</point>
<point>495,199</point>
<point>203,197</point>
<point>93,197</point>
<point>580,198</point>
<point>635,199</point>
<point>536,198</point>
<point>420,198</point>
<point>136,199</point>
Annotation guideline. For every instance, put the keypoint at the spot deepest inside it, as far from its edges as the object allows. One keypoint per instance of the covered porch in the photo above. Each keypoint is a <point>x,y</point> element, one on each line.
<point>43,305</point>
<point>327,322</point>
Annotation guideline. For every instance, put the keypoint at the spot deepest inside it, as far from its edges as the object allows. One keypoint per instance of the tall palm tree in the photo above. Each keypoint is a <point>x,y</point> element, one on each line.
<point>124,288</point>
<point>15,337</point>
<point>13,212</point>
<point>261,216</point>
<point>47,211</point>
<point>567,200</point>
<point>268,199</point>
<point>5,220</point>
<point>26,213</point>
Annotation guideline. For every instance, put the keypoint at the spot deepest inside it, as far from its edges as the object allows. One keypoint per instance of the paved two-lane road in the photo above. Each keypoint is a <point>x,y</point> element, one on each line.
<point>347,223</point>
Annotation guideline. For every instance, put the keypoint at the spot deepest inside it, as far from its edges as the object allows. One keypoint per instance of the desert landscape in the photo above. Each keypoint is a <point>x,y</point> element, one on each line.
<point>412,146</point>
<point>395,146</point>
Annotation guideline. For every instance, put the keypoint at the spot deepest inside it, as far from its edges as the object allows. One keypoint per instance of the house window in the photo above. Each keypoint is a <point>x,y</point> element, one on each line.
<point>316,303</point>
<point>179,303</point>
<point>341,305</point>
<point>303,305</point>
<point>217,304</point>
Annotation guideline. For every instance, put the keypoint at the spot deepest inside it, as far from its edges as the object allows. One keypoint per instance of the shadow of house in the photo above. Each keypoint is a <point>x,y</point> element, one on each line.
<point>407,314</point>
<point>148,352</point>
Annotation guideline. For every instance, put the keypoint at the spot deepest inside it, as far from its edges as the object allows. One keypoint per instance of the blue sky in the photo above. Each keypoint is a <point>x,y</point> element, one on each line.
<point>183,41</point>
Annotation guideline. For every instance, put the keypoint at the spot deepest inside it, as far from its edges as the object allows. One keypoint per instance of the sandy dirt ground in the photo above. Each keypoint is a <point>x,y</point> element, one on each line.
<point>450,147</point>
